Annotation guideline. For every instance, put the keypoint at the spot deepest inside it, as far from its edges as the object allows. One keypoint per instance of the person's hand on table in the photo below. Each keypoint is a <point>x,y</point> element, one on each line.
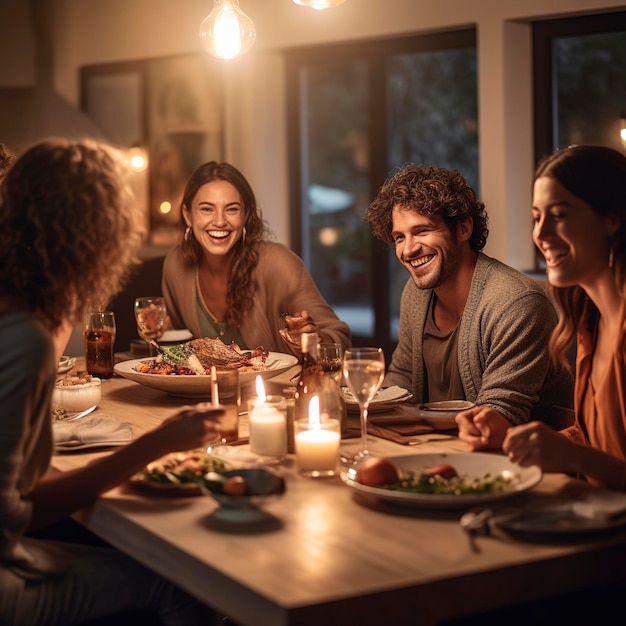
<point>482,427</point>
<point>536,443</point>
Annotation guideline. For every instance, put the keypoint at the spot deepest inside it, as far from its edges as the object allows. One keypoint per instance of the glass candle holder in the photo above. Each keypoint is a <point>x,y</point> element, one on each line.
<point>317,447</point>
<point>267,419</point>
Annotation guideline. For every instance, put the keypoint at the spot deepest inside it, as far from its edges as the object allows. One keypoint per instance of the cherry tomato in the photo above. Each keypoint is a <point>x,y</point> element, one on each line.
<point>443,469</point>
<point>234,486</point>
<point>376,471</point>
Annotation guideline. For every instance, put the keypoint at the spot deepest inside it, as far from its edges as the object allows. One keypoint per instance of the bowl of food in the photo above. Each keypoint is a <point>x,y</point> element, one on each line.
<point>77,392</point>
<point>243,488</point>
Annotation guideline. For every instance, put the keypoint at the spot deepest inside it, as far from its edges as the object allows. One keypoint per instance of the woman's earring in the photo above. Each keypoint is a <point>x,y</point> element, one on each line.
<point>611,257</point>
<point>243,238</point>
<point>187,231</point>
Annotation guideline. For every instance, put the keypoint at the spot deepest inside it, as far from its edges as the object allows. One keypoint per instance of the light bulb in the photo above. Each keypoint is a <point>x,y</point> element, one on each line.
<point>138,159</point>
<point>319,4</point>
<point>226,32</point>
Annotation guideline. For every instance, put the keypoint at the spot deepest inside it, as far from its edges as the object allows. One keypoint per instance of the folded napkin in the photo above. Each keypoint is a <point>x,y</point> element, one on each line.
<point>91,431</point>
<point>601,505</point>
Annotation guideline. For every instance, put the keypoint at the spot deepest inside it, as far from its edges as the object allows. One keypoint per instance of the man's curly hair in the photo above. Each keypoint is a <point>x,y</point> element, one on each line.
<point>428,190</point>
<point>69,228</point>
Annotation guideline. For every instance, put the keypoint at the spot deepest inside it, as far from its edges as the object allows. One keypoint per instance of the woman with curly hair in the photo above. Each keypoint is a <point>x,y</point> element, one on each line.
<point>68,230</point>
<point>471,328</point>
<point>226,280</point>
<point>579,215</point>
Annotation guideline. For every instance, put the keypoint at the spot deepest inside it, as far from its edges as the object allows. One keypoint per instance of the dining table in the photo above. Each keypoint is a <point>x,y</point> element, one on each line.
<point>324,553</point>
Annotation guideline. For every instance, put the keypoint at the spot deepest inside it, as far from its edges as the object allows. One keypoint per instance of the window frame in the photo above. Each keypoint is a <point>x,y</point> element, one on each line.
<point>375,53</point>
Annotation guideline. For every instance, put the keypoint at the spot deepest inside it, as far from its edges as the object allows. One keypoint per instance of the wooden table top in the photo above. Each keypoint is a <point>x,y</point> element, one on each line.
<point>320,554</point>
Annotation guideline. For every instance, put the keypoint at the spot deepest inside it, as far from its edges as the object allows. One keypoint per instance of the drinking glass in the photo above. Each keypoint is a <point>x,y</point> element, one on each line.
<point>99,336</point>
<point>363,370</point>
<point>289,326</point>
<point>329,357</point>
<point>150,313</point>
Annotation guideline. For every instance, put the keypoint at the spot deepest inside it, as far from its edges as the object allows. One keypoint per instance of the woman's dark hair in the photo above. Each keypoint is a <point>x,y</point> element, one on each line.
<point>428,190</point>
<point>596,175</point>
<point>241,283</point>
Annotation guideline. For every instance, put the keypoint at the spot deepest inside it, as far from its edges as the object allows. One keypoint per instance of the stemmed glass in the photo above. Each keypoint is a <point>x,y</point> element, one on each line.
<point>289,328</point>
<point>363,370</point>
<point>150,313</point>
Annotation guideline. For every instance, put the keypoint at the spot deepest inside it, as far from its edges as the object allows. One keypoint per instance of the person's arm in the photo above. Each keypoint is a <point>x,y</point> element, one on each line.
<point>537,444</point>
<point>59,494</point>
<point>513,338</point>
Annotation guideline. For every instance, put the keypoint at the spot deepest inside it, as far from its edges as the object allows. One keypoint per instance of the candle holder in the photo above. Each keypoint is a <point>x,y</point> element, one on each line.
<point>317,447</point>
<point>267,418</point>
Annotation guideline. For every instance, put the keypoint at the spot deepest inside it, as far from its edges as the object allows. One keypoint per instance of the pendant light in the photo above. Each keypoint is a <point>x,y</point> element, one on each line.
<point>320,5</point>
<point>226,32</point>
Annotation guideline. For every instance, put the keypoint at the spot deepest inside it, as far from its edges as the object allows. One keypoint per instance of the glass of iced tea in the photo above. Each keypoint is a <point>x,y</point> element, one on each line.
<point>99,335</point>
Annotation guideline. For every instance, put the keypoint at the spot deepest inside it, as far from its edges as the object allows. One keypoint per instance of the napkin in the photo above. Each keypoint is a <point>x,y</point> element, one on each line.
<point>601,505</point>
<point>91,431</point>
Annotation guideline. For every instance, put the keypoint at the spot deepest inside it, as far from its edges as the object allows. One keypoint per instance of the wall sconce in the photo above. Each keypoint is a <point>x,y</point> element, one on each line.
<point>622,128</point>
<point>226,32</point>
<point>320,5</point>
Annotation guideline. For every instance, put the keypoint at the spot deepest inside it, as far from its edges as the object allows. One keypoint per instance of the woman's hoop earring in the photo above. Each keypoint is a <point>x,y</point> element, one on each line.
<point>187,231</point>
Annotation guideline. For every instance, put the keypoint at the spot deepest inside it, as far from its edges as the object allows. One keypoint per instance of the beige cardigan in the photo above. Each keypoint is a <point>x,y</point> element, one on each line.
<point>283,284</point>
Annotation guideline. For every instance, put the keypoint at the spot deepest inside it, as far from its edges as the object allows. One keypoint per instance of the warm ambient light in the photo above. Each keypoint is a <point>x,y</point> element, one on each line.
<point>320,5</point>
<point>226,32</point>
<point>138,159</point>
<point>622,129</point>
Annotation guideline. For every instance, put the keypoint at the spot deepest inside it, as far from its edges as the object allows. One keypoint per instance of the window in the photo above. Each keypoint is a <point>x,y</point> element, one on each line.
<point>356,112</point>
<point>580,81</point>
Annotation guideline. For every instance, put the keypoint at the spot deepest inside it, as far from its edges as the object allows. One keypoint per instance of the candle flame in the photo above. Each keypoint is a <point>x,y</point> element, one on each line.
<point>314,410</point>
<point>260,388</point>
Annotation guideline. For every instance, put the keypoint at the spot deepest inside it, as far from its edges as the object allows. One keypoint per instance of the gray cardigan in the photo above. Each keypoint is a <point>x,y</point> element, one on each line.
<point>502,347</point>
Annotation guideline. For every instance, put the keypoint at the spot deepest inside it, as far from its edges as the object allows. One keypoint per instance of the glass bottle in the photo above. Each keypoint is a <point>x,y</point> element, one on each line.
<point>310,382</point>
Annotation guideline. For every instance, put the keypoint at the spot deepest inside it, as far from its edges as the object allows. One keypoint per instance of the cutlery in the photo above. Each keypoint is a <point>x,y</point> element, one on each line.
<point>74,416</point>
<point>475,524</point>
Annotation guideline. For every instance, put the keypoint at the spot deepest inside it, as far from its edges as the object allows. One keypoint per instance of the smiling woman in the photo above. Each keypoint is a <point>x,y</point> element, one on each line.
<point>226,280</point>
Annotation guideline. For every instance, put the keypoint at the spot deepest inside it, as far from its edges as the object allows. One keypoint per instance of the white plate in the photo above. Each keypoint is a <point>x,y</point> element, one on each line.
<point>469,465</point>
<point>448,406</point>
<point>175,335</point>
<point>384,400</point>
<point>197,386</point>
<point>66,363</point>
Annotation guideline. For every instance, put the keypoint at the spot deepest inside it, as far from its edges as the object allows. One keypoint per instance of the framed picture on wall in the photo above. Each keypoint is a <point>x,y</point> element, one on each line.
<point>172,109</point>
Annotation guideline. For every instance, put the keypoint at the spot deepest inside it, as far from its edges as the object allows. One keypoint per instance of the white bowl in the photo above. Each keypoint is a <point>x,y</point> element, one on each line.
<point>73,395</point>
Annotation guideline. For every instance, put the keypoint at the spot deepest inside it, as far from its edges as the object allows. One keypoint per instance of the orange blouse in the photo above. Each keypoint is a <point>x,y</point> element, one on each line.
<point>601,412</point>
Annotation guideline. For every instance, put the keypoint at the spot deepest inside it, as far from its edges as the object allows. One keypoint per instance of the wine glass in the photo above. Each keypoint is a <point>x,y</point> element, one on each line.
<point>289,328</point>
<point>363,370</point>
<point>150,313</point>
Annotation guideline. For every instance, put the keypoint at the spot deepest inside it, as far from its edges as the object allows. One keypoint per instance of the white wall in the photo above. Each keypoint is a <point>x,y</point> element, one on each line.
<point>103,31</point>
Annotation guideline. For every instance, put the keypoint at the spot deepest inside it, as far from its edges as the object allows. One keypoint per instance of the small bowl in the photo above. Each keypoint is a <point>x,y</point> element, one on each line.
<point>76,393</point>
<point>261,487</point>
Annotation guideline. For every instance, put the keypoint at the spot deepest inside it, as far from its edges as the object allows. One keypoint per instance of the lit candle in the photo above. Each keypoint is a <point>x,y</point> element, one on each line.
<point>267,417</point>
<point>317,443</point>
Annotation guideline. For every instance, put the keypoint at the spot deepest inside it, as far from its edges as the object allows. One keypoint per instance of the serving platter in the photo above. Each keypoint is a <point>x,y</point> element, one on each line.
<point>199,386</point>
<point>66,363</point>
<point>475,465</point>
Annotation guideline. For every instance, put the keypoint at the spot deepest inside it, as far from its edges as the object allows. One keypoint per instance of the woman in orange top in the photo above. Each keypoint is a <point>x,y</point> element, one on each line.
<point>579,215</point>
